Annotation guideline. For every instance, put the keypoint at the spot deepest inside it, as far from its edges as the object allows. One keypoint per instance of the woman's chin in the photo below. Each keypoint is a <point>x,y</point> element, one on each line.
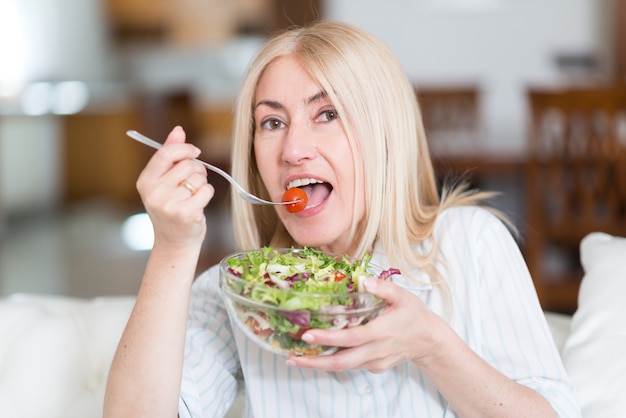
<point>326,240</point>
<point>310,237</point>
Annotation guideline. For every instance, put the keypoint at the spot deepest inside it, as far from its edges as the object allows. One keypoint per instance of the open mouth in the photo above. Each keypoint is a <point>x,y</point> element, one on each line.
<point>316,190</point>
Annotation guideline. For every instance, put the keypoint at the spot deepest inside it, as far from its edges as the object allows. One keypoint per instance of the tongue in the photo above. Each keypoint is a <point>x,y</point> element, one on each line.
<point>317,193</point>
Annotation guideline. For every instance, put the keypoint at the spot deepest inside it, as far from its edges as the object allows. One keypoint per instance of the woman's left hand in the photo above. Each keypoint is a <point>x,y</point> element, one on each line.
<point>405,331</point>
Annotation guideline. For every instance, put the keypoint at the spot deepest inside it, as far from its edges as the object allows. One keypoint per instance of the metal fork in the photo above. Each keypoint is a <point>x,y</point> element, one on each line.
<point>248,197</point>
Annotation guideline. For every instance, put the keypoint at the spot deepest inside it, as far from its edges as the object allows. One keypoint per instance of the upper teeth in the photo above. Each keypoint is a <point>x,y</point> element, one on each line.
<point>302,182</point>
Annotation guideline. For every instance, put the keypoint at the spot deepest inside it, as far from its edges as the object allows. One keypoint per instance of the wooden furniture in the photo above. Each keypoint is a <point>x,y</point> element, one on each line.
<point>617,11</point>
<point>99,160</point>
<point>451,117</point>
<point>198,23</point>
<point>288,13</point>
<point>576,183</point>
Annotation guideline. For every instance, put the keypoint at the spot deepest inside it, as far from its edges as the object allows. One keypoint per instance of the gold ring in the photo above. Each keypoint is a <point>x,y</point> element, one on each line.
<point>193,189</point>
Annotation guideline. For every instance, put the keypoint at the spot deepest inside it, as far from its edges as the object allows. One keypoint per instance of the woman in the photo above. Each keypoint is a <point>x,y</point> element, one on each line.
<point>463,334</point>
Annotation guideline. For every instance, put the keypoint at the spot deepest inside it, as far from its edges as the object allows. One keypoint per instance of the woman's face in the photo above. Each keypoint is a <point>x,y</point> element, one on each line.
<point>299,142</point>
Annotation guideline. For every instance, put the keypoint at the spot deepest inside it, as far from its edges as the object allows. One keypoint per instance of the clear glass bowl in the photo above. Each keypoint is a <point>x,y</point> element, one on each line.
<point>278,328</point>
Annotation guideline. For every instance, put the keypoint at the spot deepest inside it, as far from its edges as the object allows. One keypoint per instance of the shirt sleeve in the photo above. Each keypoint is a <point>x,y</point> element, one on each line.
<point>209,383</point>
<point>515,337</point>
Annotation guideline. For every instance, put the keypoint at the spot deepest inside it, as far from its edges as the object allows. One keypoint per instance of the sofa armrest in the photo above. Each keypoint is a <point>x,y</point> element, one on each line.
<point>560,327</point>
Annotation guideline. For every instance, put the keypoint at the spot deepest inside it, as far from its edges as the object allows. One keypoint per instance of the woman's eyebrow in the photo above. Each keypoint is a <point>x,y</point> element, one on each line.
<point>271,103</point>
<point>320,95</point>
<point>317,97</point>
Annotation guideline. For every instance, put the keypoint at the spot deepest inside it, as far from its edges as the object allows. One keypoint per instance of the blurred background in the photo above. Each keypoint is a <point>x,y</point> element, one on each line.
<point>76,74</point>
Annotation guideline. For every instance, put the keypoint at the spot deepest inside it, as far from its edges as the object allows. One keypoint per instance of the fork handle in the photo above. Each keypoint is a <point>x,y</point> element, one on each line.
<point>156,145</point>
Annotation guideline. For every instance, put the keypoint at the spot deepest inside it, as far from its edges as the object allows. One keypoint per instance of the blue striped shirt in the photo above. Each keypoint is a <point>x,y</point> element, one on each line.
<point>494,309</point>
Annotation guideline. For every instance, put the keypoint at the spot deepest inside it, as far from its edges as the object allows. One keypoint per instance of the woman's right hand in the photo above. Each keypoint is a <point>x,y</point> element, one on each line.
<point>176,210</point>
<point>155,332</point>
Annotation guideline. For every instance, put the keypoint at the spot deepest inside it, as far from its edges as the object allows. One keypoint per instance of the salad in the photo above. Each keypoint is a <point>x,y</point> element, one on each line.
<point>278,294</point>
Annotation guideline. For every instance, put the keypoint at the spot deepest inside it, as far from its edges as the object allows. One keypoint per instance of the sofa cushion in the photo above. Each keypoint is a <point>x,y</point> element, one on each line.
<point>594,352</point>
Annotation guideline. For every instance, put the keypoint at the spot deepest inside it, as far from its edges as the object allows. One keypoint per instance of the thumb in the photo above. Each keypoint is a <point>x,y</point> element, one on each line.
<point>176,136</point>
<point>383,289</point>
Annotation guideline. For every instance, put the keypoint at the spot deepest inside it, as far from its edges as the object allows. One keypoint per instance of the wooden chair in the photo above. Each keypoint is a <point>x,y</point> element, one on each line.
<point>576,183</point>
<point>451,117</point>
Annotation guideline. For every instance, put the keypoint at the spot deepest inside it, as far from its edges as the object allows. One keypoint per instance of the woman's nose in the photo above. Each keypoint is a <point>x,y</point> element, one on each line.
<point>299,144</point>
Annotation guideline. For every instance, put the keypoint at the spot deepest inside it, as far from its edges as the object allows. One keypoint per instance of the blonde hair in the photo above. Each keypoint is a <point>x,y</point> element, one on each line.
<point>381,117</point>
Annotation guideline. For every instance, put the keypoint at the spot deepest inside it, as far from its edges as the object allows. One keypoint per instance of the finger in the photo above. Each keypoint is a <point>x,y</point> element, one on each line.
<point>385,290</point>
<point>185,201</point>
<point>176,136</point>
<point>352,358</point>
<point>349,337</point>
<point>204,195</point>
<point>334,362</point>
<point>174,150</point>
<point>183,170</point>
<point>195,185</point>
<point>188,207</point>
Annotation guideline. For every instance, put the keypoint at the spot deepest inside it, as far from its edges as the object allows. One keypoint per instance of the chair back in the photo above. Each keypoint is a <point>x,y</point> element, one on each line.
<point>451,117</point>
<point>576,182</point>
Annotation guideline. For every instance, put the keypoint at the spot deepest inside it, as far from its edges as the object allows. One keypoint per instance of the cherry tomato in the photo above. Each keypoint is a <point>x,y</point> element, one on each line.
<point>254,325</point>
<point>295,194</point>
<point>339,276</point>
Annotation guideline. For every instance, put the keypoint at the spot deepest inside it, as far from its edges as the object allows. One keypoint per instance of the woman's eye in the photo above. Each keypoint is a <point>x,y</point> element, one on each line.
<point>272,124</point>
<point>328,115</point>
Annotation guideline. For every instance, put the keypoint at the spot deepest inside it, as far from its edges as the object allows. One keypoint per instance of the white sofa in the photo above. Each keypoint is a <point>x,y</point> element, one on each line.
<point>55,351</point>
